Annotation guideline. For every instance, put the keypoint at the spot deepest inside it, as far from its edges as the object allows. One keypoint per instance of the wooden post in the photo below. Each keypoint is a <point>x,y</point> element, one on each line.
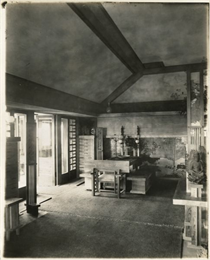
<point>12,126</point>
<point>77,148</point>
<point>31,178</point>
<point>201,98</point>
<point>58,149</point>
<point>188,121</point>
<point>188,98</point>
<point>195,141</point>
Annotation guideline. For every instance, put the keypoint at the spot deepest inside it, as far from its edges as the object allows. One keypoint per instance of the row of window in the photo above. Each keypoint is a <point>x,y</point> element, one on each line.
<point>45,146</point>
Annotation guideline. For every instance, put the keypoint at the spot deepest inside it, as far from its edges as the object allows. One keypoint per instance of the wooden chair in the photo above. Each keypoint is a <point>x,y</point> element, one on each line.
<point>108,181</point>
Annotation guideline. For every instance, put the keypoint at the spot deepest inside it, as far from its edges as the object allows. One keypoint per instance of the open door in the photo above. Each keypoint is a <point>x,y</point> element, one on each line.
<point>45,151</point>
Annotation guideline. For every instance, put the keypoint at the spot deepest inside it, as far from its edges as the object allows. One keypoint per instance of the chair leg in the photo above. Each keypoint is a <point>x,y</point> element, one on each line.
<point>124,183</point>
<point>93,183</point>
<point>118,187</point>
<point>115,177</point>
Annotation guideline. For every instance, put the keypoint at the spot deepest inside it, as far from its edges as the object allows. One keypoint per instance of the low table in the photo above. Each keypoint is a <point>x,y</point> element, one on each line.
<point>141,181</point>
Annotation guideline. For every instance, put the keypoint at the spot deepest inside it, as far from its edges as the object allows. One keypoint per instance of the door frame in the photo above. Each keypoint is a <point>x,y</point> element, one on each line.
<point>51,117</point>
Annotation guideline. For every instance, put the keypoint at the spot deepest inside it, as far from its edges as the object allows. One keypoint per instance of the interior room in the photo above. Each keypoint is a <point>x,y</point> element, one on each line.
<point>106,130</point>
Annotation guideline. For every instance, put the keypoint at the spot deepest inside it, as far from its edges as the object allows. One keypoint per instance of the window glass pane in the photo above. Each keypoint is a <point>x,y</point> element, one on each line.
<point>20,131</point>
<point>64,145</point>
<point>72,144</point>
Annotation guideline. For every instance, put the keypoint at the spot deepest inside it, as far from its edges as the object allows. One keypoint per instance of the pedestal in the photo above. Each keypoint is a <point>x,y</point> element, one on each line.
<point>196,205</point>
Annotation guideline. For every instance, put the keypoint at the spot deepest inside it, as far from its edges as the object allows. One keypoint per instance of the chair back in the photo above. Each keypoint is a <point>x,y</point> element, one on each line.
<point>107,165</point>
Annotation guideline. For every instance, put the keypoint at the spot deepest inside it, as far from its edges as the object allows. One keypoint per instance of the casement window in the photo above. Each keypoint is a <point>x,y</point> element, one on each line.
<point>64,145</point>
<point>72,144</point>
<point>20,131</point>
<point>68,144</point>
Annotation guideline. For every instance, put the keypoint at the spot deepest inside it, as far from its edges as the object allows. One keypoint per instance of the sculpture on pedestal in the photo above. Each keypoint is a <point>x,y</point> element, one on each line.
<point>195,168</point>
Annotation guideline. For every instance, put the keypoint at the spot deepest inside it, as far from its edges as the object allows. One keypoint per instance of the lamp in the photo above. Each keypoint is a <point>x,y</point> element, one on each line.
<point>115,139</point>
<point>122,139</point>
<point>137,140</point>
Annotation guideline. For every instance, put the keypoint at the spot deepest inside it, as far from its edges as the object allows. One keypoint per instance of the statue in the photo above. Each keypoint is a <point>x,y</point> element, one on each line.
<point>195,168</point>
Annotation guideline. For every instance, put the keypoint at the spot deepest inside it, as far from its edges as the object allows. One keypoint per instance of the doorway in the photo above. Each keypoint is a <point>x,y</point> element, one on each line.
<point>45,151</point>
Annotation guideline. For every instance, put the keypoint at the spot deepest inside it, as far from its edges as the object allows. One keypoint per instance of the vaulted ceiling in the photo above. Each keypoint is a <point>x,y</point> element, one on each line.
<point>51,45</point>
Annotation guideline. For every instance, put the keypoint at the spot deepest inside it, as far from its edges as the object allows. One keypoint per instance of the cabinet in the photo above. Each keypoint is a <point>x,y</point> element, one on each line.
<point>86,153</point>
<point>86,150</point>
<point>90,148</point>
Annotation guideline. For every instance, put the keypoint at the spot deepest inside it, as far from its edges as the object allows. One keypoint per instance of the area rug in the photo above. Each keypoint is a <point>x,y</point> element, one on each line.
<point>63,235</point>
<point>79,225</point>
<point>26,218</point>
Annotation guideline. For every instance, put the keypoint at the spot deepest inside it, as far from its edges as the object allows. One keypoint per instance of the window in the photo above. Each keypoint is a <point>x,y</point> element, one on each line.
<point>20,131</point>
<point>68,145</point>
<point>64,145</point>
<point>72,144</point>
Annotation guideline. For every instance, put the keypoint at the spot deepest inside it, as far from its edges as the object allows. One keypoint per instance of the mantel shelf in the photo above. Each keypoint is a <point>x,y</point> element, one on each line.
<point>148,136</point>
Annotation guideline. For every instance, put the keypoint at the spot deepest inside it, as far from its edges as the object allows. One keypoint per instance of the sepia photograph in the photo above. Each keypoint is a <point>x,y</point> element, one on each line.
<point>104,129</point>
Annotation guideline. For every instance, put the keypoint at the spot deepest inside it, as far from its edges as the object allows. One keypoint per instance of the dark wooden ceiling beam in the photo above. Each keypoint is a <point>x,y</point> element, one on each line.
<point>153,65</point>
<point>195,67</point>
<point>22,91</point>
<point>98,20</point>
<point>153,106</point>
<point>122,88</point>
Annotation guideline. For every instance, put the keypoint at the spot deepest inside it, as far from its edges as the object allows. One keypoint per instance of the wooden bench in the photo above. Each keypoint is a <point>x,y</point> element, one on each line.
<point>141,181</point>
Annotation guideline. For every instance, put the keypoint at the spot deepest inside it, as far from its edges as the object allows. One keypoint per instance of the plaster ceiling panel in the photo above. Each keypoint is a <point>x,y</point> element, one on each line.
<point>50,45</point>
<point>170,86</point>
<point>172,33</point>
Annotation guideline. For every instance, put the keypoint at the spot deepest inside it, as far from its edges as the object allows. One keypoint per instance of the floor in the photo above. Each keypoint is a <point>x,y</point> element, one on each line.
<point>74,224</point>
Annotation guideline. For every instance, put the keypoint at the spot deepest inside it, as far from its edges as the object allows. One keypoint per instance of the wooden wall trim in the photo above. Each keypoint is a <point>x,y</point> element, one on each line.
<point>195,67</point>
<point>27,92</point>
<point>122,88</point>
<point>154,136</point>
<point>172,105</point>
<point>139,114</point>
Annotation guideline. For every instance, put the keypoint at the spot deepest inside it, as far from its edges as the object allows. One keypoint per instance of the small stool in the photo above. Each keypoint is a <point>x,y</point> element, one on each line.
<point>12,216</point>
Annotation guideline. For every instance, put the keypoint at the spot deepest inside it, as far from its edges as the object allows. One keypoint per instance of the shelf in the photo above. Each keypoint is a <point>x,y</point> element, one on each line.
<point>181,197</point>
